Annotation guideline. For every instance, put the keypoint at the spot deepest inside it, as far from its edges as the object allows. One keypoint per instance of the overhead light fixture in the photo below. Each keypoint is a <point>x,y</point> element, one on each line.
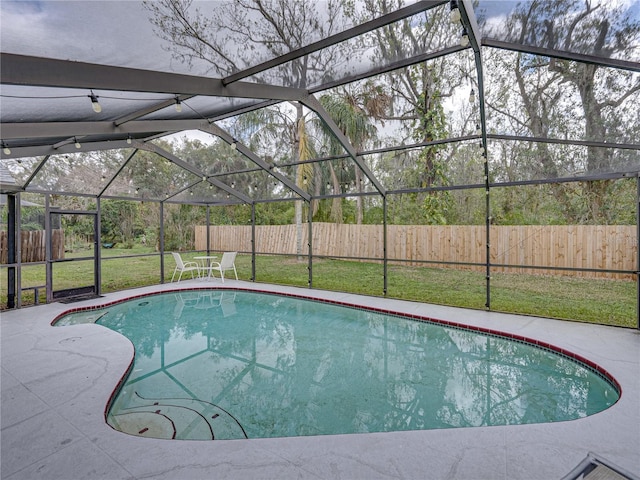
<point>77,143</point>
<point>190,192</point>
<point>178,104</point>
<point>234,145</point>
<point>128,139</point>
<point>464,38</point>
<point>137,190</point>
<point>94,103</point>
<point>454,14</point>
<point>472,96</point>
<point>478,130</point>
<point>5,149</point>
<point>102,178</point>
<point>304,180</point>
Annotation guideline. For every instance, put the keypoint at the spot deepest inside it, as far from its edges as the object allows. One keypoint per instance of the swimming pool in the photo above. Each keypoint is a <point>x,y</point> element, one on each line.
<point>221,364</point>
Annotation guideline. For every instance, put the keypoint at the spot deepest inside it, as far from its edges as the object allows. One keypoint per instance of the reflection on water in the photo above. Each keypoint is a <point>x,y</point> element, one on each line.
<point>224,364</point>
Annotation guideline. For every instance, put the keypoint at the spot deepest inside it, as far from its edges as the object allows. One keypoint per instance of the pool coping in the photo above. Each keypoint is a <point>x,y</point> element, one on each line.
<point>95,359</point>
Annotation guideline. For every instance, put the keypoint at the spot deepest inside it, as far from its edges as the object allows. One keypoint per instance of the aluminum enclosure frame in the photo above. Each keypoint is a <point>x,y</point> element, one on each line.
<point>29,139</point>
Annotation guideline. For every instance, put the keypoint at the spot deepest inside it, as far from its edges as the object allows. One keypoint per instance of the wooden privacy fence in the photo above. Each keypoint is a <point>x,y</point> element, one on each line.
<point>607,247</point>
<point>32,246</point>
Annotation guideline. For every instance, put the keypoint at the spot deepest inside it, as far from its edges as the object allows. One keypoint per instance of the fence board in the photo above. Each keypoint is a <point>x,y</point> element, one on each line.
<point>566,246</point>
<point>33,246</point>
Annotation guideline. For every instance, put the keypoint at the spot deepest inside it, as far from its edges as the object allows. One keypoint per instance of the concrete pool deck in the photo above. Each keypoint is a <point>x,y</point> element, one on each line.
<point>56,383</point>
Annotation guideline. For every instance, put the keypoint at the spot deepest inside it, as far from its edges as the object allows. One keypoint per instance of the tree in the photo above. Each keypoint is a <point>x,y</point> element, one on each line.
<point>559,95</point>
<point>118,221</point>
<point>245,32</point>
<point>352,108</point>
<point>418,91</point>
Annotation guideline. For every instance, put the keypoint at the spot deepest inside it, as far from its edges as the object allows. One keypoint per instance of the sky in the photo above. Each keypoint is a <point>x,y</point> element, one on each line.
<point>109,32</point>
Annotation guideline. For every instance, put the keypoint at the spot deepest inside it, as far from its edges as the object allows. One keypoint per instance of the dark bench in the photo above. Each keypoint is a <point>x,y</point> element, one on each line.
<point>36,292</point>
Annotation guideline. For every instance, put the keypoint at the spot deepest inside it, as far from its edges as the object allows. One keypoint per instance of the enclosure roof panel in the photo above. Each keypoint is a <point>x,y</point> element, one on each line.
<point>593,28</point>
<point>110,75</point>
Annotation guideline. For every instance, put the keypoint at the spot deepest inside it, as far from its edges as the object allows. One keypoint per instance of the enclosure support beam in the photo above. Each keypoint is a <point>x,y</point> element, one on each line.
<point>11,253</point>
<point>161,242</point>
<point>345,35</point>
<point>49,72</point>
<point>47,247</point>
<point>19,255</point>
<point>312,103</point>
<point>97,242</point>
<point>310,244</point>
<point>638,252</point>
<point>244,150</point>
<point>208,229</point>
<point>35,171</point>
<point>253,241</point>
<point>469,20</point>
<point>488,234</point>
<point>571,56</point>
<point>114,176</point>
<point>384,245</point>
<point>191,169</point>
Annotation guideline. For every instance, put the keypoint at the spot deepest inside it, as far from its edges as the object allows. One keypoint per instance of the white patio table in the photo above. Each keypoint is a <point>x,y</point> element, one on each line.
<point>205,261</point>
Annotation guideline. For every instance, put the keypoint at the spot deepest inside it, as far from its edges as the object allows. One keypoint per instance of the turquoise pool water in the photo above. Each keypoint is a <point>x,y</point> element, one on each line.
<point>224,364</point>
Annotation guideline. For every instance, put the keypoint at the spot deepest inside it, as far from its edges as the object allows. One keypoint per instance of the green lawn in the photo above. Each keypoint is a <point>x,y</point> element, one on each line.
<point>610,302</point>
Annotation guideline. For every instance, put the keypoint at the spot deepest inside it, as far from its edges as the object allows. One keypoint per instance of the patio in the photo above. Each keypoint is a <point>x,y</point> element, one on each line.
<point>56,382</point>
<point>440,135</point>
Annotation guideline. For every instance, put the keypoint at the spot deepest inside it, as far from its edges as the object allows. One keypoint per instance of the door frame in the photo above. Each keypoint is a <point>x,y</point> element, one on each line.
<point>53,296</point>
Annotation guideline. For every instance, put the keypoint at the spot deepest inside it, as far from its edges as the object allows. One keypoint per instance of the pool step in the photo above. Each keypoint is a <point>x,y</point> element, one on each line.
<point>178,418</point>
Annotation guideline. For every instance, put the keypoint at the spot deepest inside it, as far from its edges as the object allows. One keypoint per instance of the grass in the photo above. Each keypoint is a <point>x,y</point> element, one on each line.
<point>609,302</point>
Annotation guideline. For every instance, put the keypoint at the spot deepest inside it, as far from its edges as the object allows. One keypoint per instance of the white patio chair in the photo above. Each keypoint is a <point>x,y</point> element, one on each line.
<point>182,266</point>
<point>226,263</point>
